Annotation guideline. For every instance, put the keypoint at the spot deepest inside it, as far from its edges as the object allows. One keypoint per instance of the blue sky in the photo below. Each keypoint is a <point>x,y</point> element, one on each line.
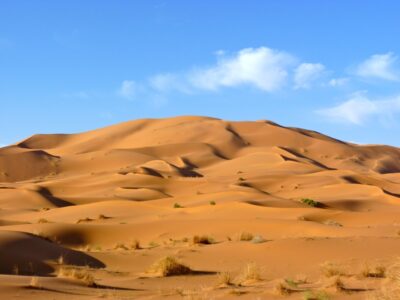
<point>330,66</point>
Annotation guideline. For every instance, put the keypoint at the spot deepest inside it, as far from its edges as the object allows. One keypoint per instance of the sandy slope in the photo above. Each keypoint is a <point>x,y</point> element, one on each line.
<point>77,203</point>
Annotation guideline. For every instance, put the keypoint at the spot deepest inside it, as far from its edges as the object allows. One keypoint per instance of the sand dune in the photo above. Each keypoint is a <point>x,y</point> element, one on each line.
<point>110,202</point>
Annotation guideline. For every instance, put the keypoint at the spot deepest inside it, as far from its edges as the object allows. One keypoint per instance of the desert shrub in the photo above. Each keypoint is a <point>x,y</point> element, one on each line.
<point>177,205</point>
<point>169,266</point>
<point>246,236</point>
<point>311,202</point>
<point>212,203</point>
<point>330,269</point>
<point>377,271</point>
<point>80,275</point>
<point>224,279</point>
<point>258,239</point>
<point>251,272</point>
<point>202,239</point>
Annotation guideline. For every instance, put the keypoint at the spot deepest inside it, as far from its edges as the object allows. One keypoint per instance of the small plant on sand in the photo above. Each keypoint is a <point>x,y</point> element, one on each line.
<point>177,205</point>
<point>81,275</point>
<point>43,220</point>
<point>202,239</point>
<point>377,271</point>
<point>330,269</point>
<point>311,202</point>
<point>121,246</point>
<point>281,288</point>
<point>336,283</point>
<point>135,245</point>
<point>212,203</point>
<point>153,244</point>
<point>169,266</point>
<point>258,239</point>
<point>251,272</point>
<point>315,295</point>
<point>224,279</point>
<point>246,236</point>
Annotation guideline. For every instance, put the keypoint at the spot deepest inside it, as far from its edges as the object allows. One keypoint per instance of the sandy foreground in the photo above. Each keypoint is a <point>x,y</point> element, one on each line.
<point>218,205</point>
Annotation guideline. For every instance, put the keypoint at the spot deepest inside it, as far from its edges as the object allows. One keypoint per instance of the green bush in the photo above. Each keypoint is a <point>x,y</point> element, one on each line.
<point>311,202</point>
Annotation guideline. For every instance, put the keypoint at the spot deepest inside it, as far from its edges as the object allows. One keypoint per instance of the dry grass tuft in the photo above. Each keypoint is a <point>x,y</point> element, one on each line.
<point>202,239</point>
<point>246,236</point>
<point>224,279</point>
<point>81,275</point>
<point>337,284</point>
<point>377,271</point>
<point>251,273</point>
<point>43,220</point>
<point>169,266</point>
<point>135,245</point>
<point>121,246</point>
<point>282,289</point>
<point>330,269</point>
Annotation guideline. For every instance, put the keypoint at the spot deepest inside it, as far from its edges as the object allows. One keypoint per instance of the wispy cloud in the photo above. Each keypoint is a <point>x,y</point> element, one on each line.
<point>359,108</point>
<point>128,89</point>
<point>306,74</point>
<point>336,82</point>
<point>382,66</point>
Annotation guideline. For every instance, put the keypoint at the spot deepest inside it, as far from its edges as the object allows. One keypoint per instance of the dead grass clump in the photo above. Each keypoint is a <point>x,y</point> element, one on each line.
<point>43,220</point>
<point>81,275</point>
<point>245,236</point>
<point>121,246</point>
<point>315,295</point>
<point>135,245</point>
<point>336,284</point>
<point>251,273</point>
<point>224,279</point>
<point>103,217</point>
<point>282,289</point>
<point>330,269</point>
<point>202,239</point>
<point>377,271</point>
<point>169,266</point>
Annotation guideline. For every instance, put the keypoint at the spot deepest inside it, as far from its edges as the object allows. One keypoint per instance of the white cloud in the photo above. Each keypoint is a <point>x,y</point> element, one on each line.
<point>379,66</point>
<point>263,68</point>
<point>306,73</point>
<point>128,89</point>
<point>336,82</point>
<point>167,82</point>
<point>358,108</point>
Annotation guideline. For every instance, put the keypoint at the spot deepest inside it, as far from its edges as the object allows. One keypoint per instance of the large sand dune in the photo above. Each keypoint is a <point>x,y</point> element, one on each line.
<point>84,216</point>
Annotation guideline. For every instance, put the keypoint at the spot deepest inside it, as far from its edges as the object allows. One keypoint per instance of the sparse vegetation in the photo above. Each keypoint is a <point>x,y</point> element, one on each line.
<point>202,239</point>
<point>330,269</point>
<point>212,203</point>
<point>315,295</point>
<point>281,288</point>
<point>251,272</point>
<point>169,266</point>
<point>258,239</point>
<point>177,205</point>
<point>311,202</point>
<point>135,245</point>
<point>246,236</point>
<point>377,271</point>
<point>224,279</point>
<point>81,275</point>
<point>43,220</point>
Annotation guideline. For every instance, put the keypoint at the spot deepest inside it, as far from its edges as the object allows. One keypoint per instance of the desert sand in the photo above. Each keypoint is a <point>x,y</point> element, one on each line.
<point>89,215</point>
